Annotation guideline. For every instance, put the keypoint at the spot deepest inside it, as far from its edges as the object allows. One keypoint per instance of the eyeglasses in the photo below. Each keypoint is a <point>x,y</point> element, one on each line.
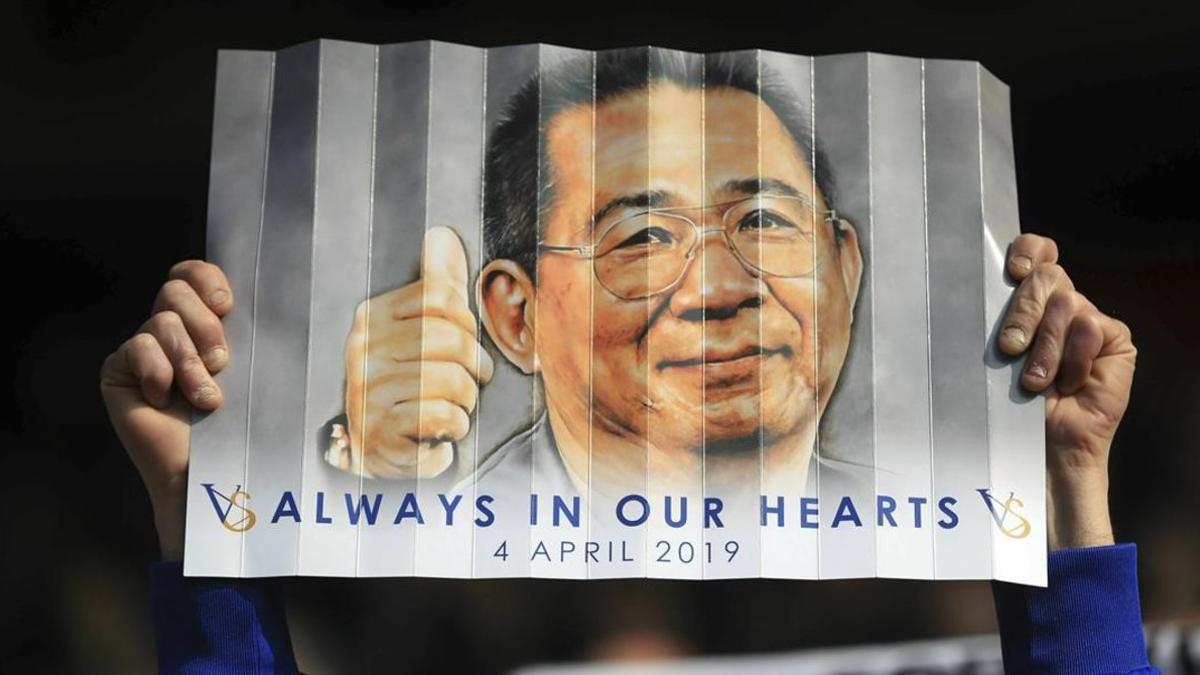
<point>646,253</point>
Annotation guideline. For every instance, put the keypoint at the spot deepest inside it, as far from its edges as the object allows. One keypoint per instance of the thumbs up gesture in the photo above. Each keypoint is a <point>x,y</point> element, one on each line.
<point>413,369</point>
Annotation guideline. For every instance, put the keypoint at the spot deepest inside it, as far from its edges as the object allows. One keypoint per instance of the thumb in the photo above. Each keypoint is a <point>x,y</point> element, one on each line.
<point>443,257</point>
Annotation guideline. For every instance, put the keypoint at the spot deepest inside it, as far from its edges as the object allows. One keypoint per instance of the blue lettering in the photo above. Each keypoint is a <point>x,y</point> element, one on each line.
<point>682,520</point>
<point>846,511</point>
<point>712,512</point>
<point>486,517</point>
<point>764,510</point>
<point>886,506</point>
<point>449,506</point>
<point>286,508</point>
<point>409,509</point>
<point>372,510</point>
<point>917,503</point>
<point>571,514</point>
<point>944,505</point>
<point>633,522</point>
<point>808,512</point>
<point>321,517</point>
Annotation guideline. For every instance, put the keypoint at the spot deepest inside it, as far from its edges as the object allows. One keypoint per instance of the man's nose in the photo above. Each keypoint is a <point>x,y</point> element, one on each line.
<point>715,285</point>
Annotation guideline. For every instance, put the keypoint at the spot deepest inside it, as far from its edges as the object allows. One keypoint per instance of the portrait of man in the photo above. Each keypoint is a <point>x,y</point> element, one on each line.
<point>659,254</point>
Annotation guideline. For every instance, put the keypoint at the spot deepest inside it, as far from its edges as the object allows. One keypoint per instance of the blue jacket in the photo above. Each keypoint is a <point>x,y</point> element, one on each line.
<point>1088,620</point>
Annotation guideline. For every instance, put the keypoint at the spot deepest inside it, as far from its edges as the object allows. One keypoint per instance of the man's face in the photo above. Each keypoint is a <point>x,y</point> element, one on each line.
<point>723,353</point>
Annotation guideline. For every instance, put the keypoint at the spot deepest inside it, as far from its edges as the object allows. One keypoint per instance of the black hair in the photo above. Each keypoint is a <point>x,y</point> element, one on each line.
<point>516,168</point>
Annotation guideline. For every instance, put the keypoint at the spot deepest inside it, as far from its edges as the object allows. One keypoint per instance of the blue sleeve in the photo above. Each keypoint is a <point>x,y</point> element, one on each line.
<point>204,626</point>
<point>1087,620</point>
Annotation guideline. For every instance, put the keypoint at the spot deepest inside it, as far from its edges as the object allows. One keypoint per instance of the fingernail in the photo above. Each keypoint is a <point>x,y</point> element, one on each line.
<point>1015,334</point>
<point>215,356</point>
<point>205,393</point>
<point>1023,263</point>
<point>218,297</point>
<point>1035,369</point>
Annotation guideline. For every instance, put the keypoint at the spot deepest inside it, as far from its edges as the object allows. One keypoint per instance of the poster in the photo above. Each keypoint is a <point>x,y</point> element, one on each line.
<point>538,311</point>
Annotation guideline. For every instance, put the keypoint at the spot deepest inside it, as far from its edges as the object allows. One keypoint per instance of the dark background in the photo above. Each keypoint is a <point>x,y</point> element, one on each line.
<point>105,122</point>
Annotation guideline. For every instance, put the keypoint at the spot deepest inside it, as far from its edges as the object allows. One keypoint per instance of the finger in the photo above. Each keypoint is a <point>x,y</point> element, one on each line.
<point>423,380</point>
<point>1028,303</point>
<point>1117,337</point>
<point>423,419</point>
<point>1047,351</point>
<point>425,297</point>
<point>1027,252</point>
<point>391,466</point>
<point>209,282</point>
<point>428,297</point>
<point>396,461</point>
<point>191,375</point>
<point>428,339</point>
<point>1084,342</point>
<point>443,258</point>
<point>140,363</point>
<point>202,324</point>
<point>420,459</point>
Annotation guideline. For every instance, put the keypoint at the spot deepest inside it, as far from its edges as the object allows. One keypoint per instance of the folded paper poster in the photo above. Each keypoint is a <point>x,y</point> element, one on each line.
<point>539,311</point>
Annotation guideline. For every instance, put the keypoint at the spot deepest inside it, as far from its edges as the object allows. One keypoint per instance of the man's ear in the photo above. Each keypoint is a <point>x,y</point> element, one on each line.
<point>851,259</point>
<point>505,295</point>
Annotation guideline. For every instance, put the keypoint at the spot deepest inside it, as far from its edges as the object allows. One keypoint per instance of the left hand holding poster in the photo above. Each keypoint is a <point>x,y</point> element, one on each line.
<point>153,380</point>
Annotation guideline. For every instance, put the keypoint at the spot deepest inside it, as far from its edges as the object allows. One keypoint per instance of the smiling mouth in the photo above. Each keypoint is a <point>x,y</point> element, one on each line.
<point>749,352</point>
